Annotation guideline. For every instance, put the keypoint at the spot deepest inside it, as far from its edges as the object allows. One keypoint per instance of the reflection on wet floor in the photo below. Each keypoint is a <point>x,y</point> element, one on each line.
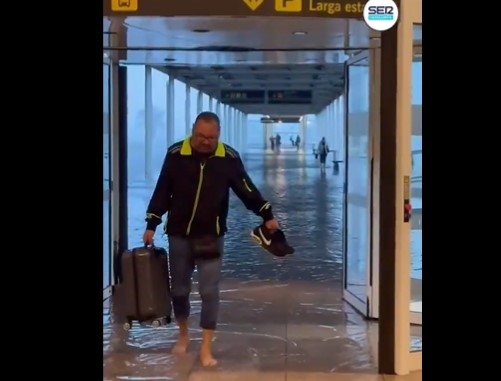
<point>278,317</point>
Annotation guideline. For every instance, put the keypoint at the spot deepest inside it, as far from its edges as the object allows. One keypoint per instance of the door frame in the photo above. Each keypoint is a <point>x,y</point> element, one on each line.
<point>375,137</point>
<point>415,317</point>
<point>410,14</point>
<point>108,193</point>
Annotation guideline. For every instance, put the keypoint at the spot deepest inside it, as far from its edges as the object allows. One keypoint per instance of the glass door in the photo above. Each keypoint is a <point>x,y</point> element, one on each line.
<point>357,203</point>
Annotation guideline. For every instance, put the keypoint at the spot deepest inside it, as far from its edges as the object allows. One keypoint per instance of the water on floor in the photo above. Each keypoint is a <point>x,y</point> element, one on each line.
<point>278,316</point>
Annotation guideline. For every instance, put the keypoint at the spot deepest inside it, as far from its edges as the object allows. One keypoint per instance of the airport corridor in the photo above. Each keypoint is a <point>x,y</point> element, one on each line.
<point>280,318</point>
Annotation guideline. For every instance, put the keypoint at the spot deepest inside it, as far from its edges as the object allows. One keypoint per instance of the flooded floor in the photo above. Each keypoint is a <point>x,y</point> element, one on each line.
<point>280,319</point>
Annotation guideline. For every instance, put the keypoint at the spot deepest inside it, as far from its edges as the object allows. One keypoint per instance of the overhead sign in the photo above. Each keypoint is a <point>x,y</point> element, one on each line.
<point>124,5</point>
<point>352,9</point>
<point>253,4</point>
<point>243,96</point>
<point>272,97</point>
<point>297,97</point>
<point>279,119</point>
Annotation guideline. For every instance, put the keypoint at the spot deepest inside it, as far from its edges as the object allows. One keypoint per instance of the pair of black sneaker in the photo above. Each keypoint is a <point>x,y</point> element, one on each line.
<point>274,242</point>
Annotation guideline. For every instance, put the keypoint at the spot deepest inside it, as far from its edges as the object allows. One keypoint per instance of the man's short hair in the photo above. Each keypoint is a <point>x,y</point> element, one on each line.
<point>208,116</point>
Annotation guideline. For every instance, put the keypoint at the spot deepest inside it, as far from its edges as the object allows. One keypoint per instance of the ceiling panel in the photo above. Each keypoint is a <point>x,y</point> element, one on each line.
<point>245,53</point>
<point>326,82</point>
<point>249,32</point>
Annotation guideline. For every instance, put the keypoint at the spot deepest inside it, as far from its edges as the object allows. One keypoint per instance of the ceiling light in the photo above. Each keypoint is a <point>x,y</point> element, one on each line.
<point>299,33</point>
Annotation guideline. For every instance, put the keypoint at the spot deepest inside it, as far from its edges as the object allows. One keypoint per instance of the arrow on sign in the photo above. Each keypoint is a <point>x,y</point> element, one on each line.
<point>253,4</point>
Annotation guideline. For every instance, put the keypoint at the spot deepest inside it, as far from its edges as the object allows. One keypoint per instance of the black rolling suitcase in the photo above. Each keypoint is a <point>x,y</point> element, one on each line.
<point>144,293</point>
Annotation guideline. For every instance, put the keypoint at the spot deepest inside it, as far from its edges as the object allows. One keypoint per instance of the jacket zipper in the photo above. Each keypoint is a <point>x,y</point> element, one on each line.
<point>197,196</point>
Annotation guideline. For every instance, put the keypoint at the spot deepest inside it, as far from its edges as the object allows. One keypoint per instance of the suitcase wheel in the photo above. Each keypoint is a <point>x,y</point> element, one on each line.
<point>156,323</point>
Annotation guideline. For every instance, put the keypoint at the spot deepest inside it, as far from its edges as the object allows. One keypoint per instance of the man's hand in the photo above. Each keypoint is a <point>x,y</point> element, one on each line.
<point>272,225</point>
<point>148,237</point>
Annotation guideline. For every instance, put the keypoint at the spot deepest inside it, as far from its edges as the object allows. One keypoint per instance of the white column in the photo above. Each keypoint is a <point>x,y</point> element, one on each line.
<point>302,133</point>
<point>321,128</point>
<point>320,120</point>
<point>245,132</point>
<point>211,104</point>
<point>187,111</point>
<point>230,128</point>
<point>200,104</point>
<point>268,132</point>
<point>241,128</point>
<point>235,128</point>
<point>338,127</point>
<point>266,141</point>
<point>225,129</point>
<point>148,123</point>
<point>170,111</point>
<point>341,119</point>
<point>218,111</point>
<point>330,126</point>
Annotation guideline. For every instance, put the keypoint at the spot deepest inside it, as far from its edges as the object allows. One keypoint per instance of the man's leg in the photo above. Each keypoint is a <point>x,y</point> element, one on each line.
<point>181,270</point>
<point>209,277</point>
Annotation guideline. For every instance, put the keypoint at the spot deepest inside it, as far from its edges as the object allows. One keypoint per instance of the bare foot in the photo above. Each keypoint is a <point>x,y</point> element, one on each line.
<point>206,358</point>
<point>181,345</point>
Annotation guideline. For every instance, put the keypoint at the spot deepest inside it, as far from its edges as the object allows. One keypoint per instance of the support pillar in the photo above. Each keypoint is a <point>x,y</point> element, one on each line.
<point>171,109</point>
<point>245,132</point>
<point>329,133</point>
<point>119,149</point>
<point>224,127</point>
<point>395,167</point>
<point>148,123</point>
<point>303,131</point>
<point>200,104</point>
<point>241,130</point>
<point>268,132</point>
<point>238,132</point>
<point>230,126</point>
<point>187,111</point>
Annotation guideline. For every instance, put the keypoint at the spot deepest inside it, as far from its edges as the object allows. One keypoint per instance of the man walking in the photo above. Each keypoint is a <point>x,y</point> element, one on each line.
<point>193,188</point>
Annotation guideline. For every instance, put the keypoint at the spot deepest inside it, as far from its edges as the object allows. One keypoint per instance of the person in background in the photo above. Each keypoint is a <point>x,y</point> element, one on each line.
<point>322,151</point>
<point>298,142</point>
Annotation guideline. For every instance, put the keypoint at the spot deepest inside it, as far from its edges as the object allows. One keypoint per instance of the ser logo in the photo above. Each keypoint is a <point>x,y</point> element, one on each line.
<point>380,15</point>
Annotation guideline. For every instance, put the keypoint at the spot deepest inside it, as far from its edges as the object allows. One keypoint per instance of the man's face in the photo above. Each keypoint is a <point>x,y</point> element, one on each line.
<point>205,136</point>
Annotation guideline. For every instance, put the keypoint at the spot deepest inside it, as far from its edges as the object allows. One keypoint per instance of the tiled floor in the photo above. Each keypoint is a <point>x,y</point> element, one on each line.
<point>279,319</point>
